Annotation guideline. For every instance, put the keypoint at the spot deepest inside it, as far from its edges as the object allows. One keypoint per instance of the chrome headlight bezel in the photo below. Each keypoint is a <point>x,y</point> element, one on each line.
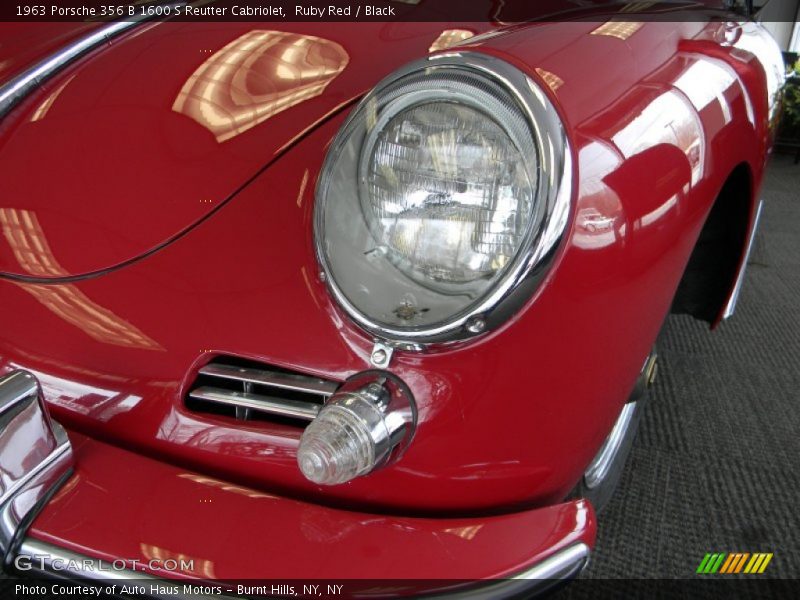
<point>553,196</point>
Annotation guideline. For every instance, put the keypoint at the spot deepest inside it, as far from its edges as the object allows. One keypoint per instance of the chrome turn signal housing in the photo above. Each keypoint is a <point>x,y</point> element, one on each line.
<point>367,423</point>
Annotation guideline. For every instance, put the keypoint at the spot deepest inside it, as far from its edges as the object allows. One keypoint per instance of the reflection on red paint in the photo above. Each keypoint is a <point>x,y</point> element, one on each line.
<point>256,76</point>
<point>27,241</point>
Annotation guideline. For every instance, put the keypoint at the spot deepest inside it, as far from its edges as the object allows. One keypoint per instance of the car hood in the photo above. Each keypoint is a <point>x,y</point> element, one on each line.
<point>132,145</point>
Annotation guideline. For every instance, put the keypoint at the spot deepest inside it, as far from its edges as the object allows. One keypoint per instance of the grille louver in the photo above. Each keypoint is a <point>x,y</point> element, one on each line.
<point>251,391</point>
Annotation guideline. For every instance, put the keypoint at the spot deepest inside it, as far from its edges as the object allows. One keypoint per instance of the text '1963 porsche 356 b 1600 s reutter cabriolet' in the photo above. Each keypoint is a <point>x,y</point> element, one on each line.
<point>367,301</point>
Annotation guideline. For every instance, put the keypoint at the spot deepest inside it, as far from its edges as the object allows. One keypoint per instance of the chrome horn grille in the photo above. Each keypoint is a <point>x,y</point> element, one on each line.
<point>250,391</point>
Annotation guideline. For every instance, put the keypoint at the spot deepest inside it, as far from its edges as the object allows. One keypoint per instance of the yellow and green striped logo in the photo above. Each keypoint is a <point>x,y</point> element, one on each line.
<point>734,562</point>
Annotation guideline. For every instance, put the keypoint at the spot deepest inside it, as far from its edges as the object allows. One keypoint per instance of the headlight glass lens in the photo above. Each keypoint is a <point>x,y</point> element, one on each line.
<point>446,194</point>
<point>429,197</point>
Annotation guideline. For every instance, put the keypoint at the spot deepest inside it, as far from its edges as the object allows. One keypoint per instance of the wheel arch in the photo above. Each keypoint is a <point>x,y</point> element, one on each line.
<point>710,276</point>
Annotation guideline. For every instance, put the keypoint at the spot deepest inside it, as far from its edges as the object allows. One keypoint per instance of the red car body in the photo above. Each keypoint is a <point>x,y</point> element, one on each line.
<point>143,238</point>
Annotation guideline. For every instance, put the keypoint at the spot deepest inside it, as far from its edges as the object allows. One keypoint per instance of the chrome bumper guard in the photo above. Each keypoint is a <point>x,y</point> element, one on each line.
<point>35,458</point>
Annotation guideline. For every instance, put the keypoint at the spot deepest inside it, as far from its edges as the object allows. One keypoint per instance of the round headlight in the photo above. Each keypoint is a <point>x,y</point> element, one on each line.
<point>441,198</point>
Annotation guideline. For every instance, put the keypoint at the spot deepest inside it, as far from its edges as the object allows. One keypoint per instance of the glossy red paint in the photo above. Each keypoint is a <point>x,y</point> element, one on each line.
<point>28,43</point>
<point>234,532</point>
<point>508,421</point>
<point>147,136</point>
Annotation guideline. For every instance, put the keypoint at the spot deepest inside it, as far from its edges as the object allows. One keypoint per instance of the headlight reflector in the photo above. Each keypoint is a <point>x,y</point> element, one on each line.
<point>446,193</point>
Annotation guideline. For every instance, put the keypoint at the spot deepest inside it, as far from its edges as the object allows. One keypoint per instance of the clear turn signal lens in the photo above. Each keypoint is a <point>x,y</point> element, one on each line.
<point>355,432</point>
<point>337,446</point>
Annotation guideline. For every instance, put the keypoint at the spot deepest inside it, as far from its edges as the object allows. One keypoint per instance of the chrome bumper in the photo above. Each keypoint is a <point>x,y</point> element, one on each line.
<point>49,560</point>
<point>35,458</point>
